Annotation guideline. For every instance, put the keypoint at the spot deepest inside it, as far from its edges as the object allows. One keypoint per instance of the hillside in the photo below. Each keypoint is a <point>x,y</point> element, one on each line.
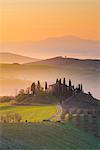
<point>16,76</point>
<point>42,135</point>
<point>72,46</point>
<point>81,100</point>
<point>46,136</point>
<point>63,61</point>
<point>14,58</point>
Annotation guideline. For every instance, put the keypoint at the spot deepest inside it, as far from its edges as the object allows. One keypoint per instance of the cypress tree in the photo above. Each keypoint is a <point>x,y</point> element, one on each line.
<point>70,83</point>
<point>64,88</point>
<point>73,87</point>
<point>46,86</point>
<point>33,88</point>
<point>38,85</point>
<point>64,81</point>
<point>81,87</point>
<point>60,81</point>
<point>90,93</point>
<point>57,80</point>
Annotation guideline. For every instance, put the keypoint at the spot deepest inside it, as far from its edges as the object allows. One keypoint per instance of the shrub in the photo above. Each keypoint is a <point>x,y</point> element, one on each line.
<point>10,118</point>
<point>6,98</point>
<point>21,97</point>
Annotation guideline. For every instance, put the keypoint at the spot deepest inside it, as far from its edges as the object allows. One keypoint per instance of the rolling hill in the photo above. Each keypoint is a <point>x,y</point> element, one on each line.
<point>14,58</point>
<point>39,135</point>
<point>46,136</point>
<point>63,61</point>
<point>71,46</point>
<point>16,76</point>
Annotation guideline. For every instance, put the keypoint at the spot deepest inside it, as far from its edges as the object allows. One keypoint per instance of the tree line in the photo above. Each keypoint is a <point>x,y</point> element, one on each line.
<point>59,89</point>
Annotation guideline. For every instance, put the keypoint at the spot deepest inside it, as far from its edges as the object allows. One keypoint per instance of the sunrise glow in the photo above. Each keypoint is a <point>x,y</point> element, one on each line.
<point>33,20</point>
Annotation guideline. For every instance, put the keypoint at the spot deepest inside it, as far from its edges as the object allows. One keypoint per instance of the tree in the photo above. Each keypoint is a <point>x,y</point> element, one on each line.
<point>33,88</point>
<point>17,117</point>
<point>38,86</point>
<point>64,81</point>
<point>60,81</point>
<point>22,92</point>
<point>81,87</point>
<point>70,83</point>
<point>46,86</point>
<point>73,87</point>
<point>64,88</point>
<point>90,93</point>
<point>28,90</point>
<point>59,88</point>
<point>56,80</point>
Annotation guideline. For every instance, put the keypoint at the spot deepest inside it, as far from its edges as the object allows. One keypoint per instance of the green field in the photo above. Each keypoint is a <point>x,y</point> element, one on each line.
<point>29,113</point>
<point>39,135</point>
<point>45,136</point>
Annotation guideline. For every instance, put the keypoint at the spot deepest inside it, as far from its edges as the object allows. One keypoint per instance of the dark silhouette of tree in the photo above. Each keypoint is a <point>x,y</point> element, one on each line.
<point>38,86</point>
<point>46,86</point>
<point>64,81</point>
<point>64,89</point>
<point>90,93</point>
<point>56,80</point>
<point>70,83</point>
<point>81,87</point>
<point>78,89</point>
<point>59,88</point>
<point>70,89</point>
<point>33,88</point>
<point>60,81</point>
<point>73,87</point>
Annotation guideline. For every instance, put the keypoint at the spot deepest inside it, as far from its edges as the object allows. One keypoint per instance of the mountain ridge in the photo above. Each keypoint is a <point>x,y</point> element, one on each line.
<point>7,57</point>
<point>71,45</point>
<point>64,61</point>
<point>80,71</point>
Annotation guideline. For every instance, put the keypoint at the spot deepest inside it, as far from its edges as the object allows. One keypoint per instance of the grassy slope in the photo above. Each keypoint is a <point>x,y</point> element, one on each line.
<point>42,136</point>
<point>45,136</point>
<point>30,113</point>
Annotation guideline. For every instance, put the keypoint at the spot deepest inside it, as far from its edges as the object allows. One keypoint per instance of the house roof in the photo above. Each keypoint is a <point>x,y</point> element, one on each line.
<point>53,85</point>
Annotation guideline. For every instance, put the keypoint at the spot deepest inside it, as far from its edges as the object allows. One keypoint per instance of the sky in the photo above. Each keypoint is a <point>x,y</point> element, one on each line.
<point>35,20</point>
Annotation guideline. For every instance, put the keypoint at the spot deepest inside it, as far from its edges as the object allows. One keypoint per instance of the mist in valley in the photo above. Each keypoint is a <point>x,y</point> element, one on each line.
<point>14,77</point>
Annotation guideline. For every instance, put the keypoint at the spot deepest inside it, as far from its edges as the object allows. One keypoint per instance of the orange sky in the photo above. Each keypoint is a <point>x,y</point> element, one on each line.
<point>32,20</point>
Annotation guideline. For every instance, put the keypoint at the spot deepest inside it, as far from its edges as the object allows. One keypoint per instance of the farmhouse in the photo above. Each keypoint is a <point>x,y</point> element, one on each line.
<point>63,90</point>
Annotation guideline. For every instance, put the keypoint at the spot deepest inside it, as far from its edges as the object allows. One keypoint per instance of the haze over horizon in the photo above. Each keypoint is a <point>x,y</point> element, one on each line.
<point>69,46</point>
<point>48,28</point>
<point>26,20</point>
<point>41,29</point>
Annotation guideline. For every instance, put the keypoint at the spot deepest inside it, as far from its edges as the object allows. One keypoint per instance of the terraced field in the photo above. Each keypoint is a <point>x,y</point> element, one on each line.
<point>38,135</point>
<point>45,136</point>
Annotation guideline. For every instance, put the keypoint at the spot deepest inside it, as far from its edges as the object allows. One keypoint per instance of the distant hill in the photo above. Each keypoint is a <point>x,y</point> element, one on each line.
<point>71,46</point>
<point>14,77</point>
<point>14,58</point>
<point>72,62</point>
